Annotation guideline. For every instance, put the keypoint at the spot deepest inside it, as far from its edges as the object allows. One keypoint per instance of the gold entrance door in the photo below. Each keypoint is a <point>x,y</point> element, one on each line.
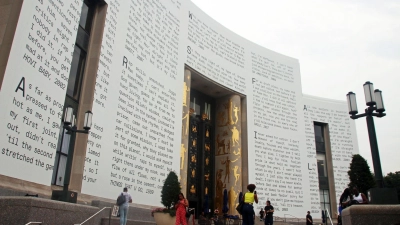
<point>201,165</point>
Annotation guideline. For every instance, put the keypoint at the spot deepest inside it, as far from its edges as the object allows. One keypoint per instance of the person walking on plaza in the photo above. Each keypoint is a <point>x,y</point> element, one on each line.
<point>124,208</point>
<point>180,207</point>
<point>309,218</point>
<point>248,210</point>
<point>269,214</point>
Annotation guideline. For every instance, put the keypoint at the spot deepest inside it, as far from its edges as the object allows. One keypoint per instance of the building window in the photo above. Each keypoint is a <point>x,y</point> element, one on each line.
<point>321,165</point>
<point>319,137</point>
<point>320,147</point>
<point>78,63</point>
<point>80,51</point>
<point>62,148</point>
<point>324,201</point>
<point>75,77</point>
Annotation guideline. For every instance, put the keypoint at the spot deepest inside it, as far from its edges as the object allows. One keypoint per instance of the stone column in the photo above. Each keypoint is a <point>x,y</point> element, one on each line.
<point>185,131</point>
<point>86,98</point>
<point>228,151</point>
<point>331,174</point>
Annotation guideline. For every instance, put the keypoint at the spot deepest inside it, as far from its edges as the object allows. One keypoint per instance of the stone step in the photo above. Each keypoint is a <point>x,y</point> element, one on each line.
<point>115,221</point>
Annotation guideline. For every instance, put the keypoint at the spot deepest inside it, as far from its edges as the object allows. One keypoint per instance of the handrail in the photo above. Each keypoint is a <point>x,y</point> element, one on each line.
<point>194,214</point>
<point>298,220</point>
<point>33,223</point>
<point>95,215</point>
<point>329,215</point>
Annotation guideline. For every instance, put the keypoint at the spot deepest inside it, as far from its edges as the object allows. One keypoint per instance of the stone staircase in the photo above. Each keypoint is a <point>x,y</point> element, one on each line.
<point>280,221</point>
<point>115,221</point>
<point>136,216</point>
<point>61,213</point>
<point>258,222</point>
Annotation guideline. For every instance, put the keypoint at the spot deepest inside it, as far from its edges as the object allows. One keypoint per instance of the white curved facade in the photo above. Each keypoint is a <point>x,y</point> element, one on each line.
<point>137,114</point>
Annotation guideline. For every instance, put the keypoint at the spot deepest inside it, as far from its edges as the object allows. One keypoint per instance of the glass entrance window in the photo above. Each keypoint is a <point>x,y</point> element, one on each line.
<point>195,106</point>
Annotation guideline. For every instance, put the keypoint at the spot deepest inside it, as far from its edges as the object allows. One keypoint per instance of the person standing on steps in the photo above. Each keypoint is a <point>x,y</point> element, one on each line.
<point>248,210</point>
<point>124,208</point>
<point>180,207</point>
<point>269,214</point>
<point>309,218</point>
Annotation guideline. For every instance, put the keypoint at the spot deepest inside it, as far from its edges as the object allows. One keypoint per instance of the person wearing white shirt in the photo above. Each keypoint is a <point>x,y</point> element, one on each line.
<point>124,208</point>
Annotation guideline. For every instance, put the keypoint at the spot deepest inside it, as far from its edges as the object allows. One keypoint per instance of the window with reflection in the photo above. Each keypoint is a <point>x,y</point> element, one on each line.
<point>319,137</point>
<point>320,146</point>
<point>62,149</point>
<point>80,50</point>
<point>321,165</point>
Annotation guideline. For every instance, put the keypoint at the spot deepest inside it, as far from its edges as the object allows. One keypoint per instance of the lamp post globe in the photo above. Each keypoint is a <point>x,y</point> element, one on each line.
<point>369,93</point>
<point>352,103</point>
<point>379,101</point>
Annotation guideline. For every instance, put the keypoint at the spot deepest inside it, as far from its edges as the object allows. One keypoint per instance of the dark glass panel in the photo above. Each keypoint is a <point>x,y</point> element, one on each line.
<point>82,39</point>
<point>75,76</point>
<point>87,16</point>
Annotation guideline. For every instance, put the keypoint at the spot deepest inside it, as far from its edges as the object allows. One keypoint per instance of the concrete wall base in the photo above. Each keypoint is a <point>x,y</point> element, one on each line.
<point>371,215</point>
<point>21,210</point>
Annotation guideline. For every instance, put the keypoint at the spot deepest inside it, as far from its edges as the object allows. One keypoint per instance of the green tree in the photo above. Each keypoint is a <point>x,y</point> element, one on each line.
<point>360,174</point>
<point>392,180</point>
<point>170,190</point>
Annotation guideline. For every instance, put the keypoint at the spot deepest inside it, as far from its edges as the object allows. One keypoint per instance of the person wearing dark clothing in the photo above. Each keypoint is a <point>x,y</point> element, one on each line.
<point>344,201</point>
<point>261,214</point>
<point>269,214</point>
<point>309,218</point>
<point>345,198</point>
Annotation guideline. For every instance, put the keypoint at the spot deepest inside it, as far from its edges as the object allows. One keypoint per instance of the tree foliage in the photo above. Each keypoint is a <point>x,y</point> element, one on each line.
<point>170,190</point>
<point>392,180</point>
<point>360,174</point>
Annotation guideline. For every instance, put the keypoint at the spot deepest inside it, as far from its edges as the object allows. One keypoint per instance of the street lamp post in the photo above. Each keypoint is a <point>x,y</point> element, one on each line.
<point>70,127</point>
<point>374,101</point>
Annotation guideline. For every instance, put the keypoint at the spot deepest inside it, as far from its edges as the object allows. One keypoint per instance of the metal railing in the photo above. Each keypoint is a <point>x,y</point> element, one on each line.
<point>33,223</point>
<point>329,216</point>
<point>109,217</point>
<point>293,217</point>
<point>193,212</point>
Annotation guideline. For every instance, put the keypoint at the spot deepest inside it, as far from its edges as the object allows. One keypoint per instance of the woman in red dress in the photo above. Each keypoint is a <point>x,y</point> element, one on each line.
<point>180,207</point>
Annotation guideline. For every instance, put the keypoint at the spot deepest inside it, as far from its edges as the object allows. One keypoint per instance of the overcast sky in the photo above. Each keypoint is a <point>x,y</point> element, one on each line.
<point>340,44</point>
